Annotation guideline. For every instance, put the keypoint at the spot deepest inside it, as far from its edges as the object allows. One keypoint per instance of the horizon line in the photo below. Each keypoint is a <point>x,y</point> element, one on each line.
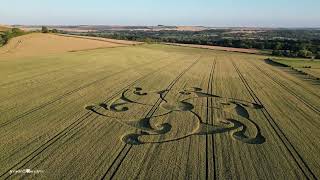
<point>130,25</point>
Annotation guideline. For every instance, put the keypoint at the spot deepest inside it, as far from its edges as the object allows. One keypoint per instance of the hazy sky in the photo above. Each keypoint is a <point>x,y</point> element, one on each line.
<point>266,13</point>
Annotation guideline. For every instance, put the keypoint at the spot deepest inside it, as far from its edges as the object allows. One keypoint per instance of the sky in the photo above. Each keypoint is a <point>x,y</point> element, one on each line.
<point>213,13</point>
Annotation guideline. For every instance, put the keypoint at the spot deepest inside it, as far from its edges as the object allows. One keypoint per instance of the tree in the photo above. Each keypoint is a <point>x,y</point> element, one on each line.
<point>277,53</point>
<point>1,40</point>
<point>7,35</point>
<point>54,31</point>
<point>278,46</point>
<point>148,40</point>
<point>305,53</point>
<point>44,29</point>
<point>16,30</point>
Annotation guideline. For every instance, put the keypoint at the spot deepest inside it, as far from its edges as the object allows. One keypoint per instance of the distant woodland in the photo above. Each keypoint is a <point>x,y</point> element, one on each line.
<point>280,42</point>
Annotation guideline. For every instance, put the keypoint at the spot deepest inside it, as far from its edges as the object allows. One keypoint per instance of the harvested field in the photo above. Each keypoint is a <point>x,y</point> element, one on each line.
<point>191,28</point>
<point>123,42</point>
<point>37,44</point>
<point>4,28</point>
<point>220,48</point>
<point>155,112</point>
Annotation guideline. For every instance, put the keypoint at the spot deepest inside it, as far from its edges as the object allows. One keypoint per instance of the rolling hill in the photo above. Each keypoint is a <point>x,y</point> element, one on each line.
<point>152,111</point>
<point>36,44</point>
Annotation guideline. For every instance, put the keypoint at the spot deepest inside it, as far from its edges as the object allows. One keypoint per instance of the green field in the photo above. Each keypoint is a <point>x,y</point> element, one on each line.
<point>311,67</point>
<point>156,112</point>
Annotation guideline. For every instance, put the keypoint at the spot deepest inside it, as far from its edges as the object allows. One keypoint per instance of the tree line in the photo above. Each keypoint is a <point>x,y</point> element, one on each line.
<point>300,43</point>
<point>15,32</point>
<point>7,35</point>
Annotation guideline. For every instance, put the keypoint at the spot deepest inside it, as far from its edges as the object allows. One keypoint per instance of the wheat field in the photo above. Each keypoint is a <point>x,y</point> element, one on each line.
<point>38,44</point>
<point>156,112</point>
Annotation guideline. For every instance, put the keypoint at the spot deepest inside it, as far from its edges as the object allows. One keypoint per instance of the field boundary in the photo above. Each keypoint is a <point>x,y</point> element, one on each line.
<point>305,169</point>
<point>114,41</point>
<point>299,84</point>
<point>277,81</point>
<point>217,48</point>
<point>268,60</point>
